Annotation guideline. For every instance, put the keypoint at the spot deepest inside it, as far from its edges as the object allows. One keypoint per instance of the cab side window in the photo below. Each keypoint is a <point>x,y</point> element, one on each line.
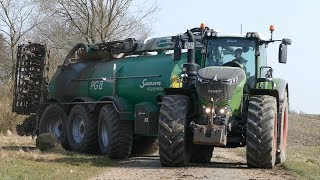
<point>263,56</point>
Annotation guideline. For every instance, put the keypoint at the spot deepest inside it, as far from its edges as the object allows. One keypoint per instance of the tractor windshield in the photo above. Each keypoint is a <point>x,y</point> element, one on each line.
<point>223,50</point>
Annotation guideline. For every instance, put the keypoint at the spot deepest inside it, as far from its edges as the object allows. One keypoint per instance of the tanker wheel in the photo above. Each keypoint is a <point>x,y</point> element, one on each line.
<point>114,135</point>
<point>143,145</point>
<point>174,144</point>
<point>283,131</point>
<point>201,153</point>
<point>82,130</point>
<point>53,120</point>
<point>261,137</point>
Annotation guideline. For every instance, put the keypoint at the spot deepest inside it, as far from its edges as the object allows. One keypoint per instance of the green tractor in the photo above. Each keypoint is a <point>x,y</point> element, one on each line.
<point>229,98</point>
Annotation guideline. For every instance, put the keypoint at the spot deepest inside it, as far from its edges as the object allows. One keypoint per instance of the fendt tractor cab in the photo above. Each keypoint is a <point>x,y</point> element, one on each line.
<point>228,98</point>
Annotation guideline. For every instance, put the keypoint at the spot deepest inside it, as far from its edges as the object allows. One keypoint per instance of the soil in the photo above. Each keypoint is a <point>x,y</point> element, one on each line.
<point>225,164</point>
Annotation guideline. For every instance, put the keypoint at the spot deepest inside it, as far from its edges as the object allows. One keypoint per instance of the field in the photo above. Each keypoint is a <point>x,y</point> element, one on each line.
<point>303,153</point>
<point>19,159</point>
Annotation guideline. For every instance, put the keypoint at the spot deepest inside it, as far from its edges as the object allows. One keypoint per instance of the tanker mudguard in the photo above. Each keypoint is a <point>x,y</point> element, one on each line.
<point>85,99</point>
<point>121,105</point>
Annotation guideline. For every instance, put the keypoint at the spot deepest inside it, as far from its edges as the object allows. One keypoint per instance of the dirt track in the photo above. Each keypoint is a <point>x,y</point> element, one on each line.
<point>225,164</point>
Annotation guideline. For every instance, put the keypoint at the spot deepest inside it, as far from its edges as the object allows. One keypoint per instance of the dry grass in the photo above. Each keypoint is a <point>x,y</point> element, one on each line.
<point>8,120</point>
<point>304,146</point>
<point>21,160</point>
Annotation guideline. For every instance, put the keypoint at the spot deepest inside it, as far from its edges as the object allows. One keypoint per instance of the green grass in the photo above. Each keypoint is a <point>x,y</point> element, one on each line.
<point>304,161</point>
<point>20,160</point>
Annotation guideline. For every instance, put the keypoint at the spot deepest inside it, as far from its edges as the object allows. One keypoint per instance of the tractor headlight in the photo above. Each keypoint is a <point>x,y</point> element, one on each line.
<point>222,111</point>
<point>208,110</point>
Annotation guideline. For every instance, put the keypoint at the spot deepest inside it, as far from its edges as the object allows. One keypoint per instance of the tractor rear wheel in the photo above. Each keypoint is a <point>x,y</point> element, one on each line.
<point>114,135</point>
<point>143,145</point>
<point>173,119</point>
<point>261,137</point>
<point>201,153</point>
<point>283,131</point>
<point>82,130</point>
<point>53,120</point>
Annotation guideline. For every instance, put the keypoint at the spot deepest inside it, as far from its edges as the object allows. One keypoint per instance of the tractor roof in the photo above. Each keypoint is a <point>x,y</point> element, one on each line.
<point>262,36</point>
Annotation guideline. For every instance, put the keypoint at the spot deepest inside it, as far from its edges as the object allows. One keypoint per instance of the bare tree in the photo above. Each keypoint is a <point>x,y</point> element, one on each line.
<point>4,58</point>
<point>68,22</point>
<point>102,20</point>
<point>17,18</point>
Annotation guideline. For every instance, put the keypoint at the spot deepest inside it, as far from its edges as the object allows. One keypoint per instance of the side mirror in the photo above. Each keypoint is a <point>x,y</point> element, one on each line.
<point>286,41</point>
<point>177,48</point>
<point>283,53</point>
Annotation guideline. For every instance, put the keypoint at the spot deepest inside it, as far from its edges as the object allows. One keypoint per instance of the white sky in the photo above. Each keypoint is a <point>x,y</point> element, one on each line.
<point>298,20</point>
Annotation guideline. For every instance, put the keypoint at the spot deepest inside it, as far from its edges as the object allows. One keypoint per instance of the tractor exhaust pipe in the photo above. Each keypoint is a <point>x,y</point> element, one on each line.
<point>191,52</point>
<point>190,68</point>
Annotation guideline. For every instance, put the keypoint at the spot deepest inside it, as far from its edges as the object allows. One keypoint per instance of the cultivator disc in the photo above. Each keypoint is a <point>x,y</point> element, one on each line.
<point>31,82</point>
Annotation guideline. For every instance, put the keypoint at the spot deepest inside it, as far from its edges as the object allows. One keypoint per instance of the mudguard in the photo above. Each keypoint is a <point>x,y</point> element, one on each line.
<point>121,105</point>
<point>281,86</point>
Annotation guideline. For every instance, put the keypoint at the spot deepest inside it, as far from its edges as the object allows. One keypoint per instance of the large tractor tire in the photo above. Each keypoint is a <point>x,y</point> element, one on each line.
<point>82,130</point>
<point>262,131</point>
<point>173,139</point>
<point>114,135</point>
<point>282,131</point>
<point>54,120</point>
<point>144,145</point>
<point>201,153</point>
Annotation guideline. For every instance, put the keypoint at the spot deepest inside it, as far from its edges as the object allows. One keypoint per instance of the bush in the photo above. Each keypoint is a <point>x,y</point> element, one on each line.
<point>8,120</point>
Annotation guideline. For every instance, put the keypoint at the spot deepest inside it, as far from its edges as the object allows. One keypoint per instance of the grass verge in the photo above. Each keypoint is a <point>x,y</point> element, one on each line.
<point>304,161</point>
<point>21,160</point>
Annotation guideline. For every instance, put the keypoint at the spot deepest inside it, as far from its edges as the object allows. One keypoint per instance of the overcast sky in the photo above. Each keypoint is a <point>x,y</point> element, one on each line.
<point>298,20</point>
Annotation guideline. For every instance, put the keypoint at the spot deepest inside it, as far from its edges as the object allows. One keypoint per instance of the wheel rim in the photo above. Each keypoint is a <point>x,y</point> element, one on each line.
<point>274,148</point>
<point>284,131</point>
<point>55,126</point>
<point>78,129</point>
<point>104,134</point>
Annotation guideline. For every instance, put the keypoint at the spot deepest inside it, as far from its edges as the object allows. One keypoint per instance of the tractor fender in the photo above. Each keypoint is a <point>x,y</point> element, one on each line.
<point>281,86</point>
<point>270,92</point>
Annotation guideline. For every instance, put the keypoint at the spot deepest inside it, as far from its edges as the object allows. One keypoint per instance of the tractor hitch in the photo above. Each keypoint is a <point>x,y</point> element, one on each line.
<point>209,134</point>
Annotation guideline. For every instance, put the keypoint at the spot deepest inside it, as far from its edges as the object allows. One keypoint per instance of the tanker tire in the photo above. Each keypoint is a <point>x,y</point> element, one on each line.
<point>261,137</point>
<point>201,153</point>
<point>53,120</point>
<point>144,145</point>
<point>114,135</point>
<point>174,145</point>
<point>283,131</point>
<point>82,130</point>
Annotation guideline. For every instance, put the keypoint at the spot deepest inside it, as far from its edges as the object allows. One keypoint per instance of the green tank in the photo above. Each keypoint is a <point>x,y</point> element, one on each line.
<point>101,100</point>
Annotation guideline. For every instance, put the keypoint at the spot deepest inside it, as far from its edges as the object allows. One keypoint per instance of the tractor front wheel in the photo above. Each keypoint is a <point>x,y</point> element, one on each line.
<point>173,119</point>
<point>261,131</point>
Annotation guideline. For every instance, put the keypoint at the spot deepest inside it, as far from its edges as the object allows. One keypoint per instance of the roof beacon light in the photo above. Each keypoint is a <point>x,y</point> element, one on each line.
<point>202,26</point>
<point>271,28</point>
